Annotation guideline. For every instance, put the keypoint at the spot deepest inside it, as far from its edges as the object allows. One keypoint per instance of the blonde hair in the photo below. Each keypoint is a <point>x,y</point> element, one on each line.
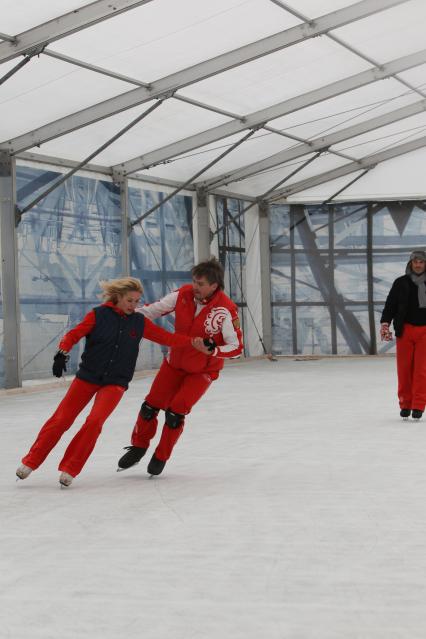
<point>111,289</point>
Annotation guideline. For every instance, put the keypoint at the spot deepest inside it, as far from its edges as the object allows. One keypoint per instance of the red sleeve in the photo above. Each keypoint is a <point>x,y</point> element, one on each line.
<point>160,336</point>
<point>73,336</point>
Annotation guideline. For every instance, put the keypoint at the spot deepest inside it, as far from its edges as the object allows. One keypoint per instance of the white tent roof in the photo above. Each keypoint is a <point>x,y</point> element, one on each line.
<point>344,78</point>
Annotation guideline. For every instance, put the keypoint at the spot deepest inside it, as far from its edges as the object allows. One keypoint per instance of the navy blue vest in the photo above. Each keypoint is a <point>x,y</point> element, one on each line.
<point>112,348</point>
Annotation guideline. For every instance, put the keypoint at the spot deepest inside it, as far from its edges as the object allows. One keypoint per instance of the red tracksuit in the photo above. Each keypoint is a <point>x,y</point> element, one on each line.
<point>409,320</point>
<point>411,367</point>
<point>186,374</point>
<point>79,395</point>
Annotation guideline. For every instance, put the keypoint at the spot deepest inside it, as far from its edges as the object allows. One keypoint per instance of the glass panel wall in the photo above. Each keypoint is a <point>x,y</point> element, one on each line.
<point>332,268</point>
<point>73,239</point>
<point>161,254</point>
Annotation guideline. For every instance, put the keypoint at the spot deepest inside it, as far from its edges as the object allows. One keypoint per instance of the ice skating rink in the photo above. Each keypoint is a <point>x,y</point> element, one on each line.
<point>294,508</point>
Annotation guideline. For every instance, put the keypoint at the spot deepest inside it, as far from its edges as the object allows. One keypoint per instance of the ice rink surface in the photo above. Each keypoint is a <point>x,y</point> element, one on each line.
<point>294,507</point>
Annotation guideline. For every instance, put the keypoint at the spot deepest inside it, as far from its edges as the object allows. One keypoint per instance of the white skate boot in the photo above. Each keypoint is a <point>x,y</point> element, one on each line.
<point>65,479</point>
<point>23,471</point>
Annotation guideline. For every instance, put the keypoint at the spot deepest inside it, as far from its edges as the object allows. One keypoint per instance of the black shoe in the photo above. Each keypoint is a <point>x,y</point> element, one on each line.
<point>132,457</point>
<point>405,412</point>
<point>416,413</point>
<point>155,466</point>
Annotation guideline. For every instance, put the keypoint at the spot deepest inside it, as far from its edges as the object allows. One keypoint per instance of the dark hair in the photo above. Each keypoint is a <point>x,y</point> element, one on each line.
<point>212,270</point>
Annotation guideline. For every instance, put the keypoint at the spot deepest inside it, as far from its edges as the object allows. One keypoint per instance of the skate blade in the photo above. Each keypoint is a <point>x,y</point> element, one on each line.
<point>405,419</point>
<point>120,470</point>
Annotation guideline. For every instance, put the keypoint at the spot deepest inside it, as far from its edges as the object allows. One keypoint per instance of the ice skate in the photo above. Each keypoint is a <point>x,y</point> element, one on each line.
<point>155,466</point>
<point>405,413</point>
<point>65,479</point>
<point>131,458</point>
<point>416,413</point>
<point>23,471</point>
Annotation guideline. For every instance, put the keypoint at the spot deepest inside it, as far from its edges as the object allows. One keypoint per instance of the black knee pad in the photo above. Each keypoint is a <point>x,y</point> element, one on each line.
<point>148,412</point>
<point>174,420</point>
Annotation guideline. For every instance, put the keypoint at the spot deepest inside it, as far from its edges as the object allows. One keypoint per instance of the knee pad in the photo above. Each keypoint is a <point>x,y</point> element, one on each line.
<point>148,412</point>
<point>174,420</point>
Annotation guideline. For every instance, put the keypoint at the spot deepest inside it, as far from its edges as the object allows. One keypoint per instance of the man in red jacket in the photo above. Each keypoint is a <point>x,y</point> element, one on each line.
<point>201,309</point>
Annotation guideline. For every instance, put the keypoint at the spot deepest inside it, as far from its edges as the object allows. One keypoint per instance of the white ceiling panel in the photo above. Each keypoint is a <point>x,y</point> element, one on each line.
<point>165,36</point>
<point>252,149</point>
<point>390,34</point>
<point>416,77</point>
<point>279,76</point>
<point>324,191</point>
<point>17,17</point>
<point>400,178</point>
<point>347,109</point>
<point>384,137</point>
<point>160,127</point>
<point>46,89</point>
<point>313,8</point>
<point>257,185</point>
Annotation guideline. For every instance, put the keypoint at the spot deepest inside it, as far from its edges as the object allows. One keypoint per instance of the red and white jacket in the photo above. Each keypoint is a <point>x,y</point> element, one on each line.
<point>216,318</point>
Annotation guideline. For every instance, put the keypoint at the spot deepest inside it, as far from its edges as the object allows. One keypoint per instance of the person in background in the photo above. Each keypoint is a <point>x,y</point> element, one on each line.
<point>113,332</point>
<point>406,307</point>
<point>200,308</point>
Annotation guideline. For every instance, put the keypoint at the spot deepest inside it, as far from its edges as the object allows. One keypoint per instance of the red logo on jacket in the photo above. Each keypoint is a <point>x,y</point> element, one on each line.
<point>133,333</point>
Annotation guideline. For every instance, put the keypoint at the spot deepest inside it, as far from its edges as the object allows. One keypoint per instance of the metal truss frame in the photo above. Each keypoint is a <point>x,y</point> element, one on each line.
<point>195,74</point>
<point>64,25</point>
<point>322,142</point>
<point>273,112</point>
<point>367,162</point>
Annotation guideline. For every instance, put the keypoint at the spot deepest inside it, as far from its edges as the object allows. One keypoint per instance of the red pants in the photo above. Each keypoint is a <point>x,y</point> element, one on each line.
<point>411,367</point>
<point>80,447</point>
<point>178,391</point>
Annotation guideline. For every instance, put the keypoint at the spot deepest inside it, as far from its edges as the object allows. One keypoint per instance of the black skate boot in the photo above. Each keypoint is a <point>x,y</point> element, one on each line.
<point>405,413</point>
<point>416,413</point>
<point>155,466</point>
<point>132,457</point>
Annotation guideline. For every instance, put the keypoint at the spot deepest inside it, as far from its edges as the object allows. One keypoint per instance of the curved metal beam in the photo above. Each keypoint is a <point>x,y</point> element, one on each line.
<point>278,110</point>
<point>64,25</point>
<point>197,73</point>
<point>317,143</point>
<point>368,162</point>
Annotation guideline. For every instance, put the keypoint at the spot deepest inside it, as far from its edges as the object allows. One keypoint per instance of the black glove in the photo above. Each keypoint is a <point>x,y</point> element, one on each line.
<point>209,343</point>
<point>59,363</point>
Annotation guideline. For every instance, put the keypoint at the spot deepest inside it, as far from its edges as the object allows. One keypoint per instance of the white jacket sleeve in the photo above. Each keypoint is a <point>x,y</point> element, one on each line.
<point>164,306</point>
<point>232,337</point>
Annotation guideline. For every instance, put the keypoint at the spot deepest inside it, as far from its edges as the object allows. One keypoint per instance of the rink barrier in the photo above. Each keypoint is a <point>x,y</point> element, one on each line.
<point>38,386</point>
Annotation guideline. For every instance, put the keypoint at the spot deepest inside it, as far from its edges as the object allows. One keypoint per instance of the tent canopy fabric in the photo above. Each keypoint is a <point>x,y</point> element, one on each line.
<point>342,79</point>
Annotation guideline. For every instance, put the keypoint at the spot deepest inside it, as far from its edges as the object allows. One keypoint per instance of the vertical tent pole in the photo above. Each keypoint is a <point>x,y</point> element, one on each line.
<point>201,227</point>
<point>258,334</point>
<point>9,273</point>
<point>121,181</point>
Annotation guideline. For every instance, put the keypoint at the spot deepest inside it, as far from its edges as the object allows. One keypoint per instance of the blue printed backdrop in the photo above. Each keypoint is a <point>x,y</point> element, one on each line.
<point>161,253</point>
<point>72,240</point>
<point>66,245</point>
<point>332,268</point>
